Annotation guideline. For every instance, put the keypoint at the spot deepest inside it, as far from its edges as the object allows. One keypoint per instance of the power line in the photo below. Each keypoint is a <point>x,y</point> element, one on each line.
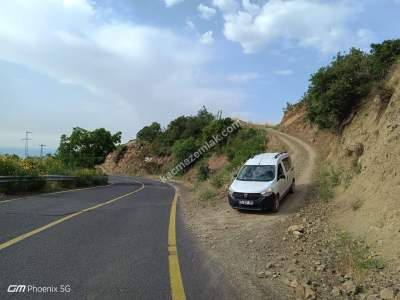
<point>27,139</point>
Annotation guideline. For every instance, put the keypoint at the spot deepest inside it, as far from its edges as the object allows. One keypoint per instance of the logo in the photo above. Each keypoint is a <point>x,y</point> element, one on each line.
<point>245,195</point>
<point>14,288</point>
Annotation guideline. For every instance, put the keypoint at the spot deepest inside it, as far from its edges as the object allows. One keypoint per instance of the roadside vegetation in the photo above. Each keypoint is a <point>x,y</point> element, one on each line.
<point>77,156</point>
<point>336,90</point>
<point>186,134</point>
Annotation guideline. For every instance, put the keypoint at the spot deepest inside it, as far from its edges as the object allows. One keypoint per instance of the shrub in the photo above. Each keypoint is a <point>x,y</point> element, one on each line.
<point>88,177</point>
<point>354,255</point>
<point>207,195</point>
<point>84,148</point>
<point>219,179</point>
<point>383,56</point>
<point>328,178</point>
<point>337,88</point>
<point>10,166</point>
<point>245,144</point>
<point>203,172</point>
<point>182,149</point>
<point>149,133</point>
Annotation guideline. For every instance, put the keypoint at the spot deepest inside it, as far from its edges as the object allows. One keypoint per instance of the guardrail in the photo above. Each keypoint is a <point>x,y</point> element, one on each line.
<point>5,179</point>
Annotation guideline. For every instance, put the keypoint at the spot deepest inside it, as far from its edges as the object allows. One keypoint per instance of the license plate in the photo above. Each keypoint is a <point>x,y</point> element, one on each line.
<point>246,202</point>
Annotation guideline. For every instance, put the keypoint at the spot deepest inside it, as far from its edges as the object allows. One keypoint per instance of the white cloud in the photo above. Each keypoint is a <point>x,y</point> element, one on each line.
<point>242,78</point>
<point>169,3</point>
<point>284,72</point>
<point>207,38</point>
<point>118,63</point>
<point>190,25</point>
<point>206,12</point>
<point>305,23</point>
<point>226,6</point>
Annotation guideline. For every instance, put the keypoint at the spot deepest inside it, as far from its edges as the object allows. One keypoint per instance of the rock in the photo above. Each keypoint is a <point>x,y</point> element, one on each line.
<point>261,274</point>
<point>300,293</point>
<point>299,228</point>
<point>356,149</point>
<point>336,292</point>
<point>268,273</point>
<point>270,265</point>
<point>387,294</point>
<point>349,287</point>
<point>372,297</point>
<point>297,234</point>
<point>321,268</point>
<point>294,283</point>
<point>309,293</point>
<point>305,292</point>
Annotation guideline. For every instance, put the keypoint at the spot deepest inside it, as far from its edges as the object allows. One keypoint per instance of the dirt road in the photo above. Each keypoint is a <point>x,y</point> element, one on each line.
<point>241,242</point>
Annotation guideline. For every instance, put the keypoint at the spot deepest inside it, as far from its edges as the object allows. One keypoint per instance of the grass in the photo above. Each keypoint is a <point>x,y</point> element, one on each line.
<point>328,178</point>
<point>207,196</point>
<point>355,256</point>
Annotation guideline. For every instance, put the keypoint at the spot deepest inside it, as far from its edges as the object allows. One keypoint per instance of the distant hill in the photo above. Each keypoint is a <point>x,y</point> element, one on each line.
<point>21,151</point>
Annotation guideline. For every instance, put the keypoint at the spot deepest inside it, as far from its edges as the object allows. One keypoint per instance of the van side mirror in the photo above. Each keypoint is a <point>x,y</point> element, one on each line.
<point>235,175</point>
<point>282,176</point>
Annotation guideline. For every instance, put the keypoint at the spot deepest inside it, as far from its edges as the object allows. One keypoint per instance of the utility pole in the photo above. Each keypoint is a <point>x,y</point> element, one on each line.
<point>41,150</point>
<point>27,139</point>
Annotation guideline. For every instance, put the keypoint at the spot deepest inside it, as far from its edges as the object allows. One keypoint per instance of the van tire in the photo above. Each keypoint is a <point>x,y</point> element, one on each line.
<point>275,204</point>
<point>292,187</point>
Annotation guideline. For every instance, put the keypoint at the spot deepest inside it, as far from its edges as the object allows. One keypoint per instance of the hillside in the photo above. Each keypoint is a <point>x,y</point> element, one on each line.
<point>367,156</point>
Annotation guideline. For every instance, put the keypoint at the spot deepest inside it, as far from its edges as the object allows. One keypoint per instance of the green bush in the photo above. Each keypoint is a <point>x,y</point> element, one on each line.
<point>219,179</point>
<point>207,195</point>
<point>245,144</point>
<point>328,179</point>
<point>337,88</point>
<point>88,177</point>
<point>85,148</point>
<point>203,171</point>
<point>149,133</point>
<point>383,56</point>
<point>182,149</point>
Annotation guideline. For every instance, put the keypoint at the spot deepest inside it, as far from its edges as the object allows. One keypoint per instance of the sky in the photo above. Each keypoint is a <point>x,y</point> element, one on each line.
<point>124,64</point>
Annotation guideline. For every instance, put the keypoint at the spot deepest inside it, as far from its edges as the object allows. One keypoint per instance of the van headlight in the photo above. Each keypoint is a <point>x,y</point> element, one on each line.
<point>268,192</point>
<point>230,192</point>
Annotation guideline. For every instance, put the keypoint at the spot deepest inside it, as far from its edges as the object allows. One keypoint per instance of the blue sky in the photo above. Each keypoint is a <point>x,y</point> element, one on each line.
<point>123,64</point>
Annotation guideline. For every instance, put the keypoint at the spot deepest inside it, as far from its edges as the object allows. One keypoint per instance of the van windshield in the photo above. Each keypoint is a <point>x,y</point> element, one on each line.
<point>257,173</point>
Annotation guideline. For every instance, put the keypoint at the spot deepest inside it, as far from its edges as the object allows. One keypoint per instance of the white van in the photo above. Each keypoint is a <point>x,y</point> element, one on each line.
<point>262,182</point>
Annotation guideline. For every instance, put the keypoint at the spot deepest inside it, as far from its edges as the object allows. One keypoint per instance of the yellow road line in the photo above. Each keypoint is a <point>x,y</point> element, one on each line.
<point>177,290</point>
<point>53,193</point>
<point>59,221</point>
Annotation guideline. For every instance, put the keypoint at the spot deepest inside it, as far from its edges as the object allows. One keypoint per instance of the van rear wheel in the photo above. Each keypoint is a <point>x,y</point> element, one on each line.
<point>275,204</point>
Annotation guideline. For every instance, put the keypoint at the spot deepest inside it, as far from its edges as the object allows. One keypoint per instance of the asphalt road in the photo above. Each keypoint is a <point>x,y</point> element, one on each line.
<point>103,243</point>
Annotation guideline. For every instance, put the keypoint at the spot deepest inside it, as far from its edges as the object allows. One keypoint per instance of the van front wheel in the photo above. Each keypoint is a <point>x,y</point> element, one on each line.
<point>275,203</point>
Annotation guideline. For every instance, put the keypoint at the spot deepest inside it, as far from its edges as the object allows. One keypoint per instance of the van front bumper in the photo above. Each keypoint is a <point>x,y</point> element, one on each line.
<point>253,203</point>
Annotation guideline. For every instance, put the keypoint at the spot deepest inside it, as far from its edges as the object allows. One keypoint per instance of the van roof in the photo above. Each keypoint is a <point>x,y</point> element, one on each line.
<point>266,158</point>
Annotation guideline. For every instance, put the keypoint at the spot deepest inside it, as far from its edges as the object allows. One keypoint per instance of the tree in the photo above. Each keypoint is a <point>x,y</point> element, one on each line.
<point>383,56</point>
<point>149,133</point>
<point>84,148</point>
<point>337,88</point>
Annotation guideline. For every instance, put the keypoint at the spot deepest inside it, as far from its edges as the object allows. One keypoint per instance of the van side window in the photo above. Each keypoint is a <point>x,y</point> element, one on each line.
<point>280,170</point>
<point>287,163</point>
